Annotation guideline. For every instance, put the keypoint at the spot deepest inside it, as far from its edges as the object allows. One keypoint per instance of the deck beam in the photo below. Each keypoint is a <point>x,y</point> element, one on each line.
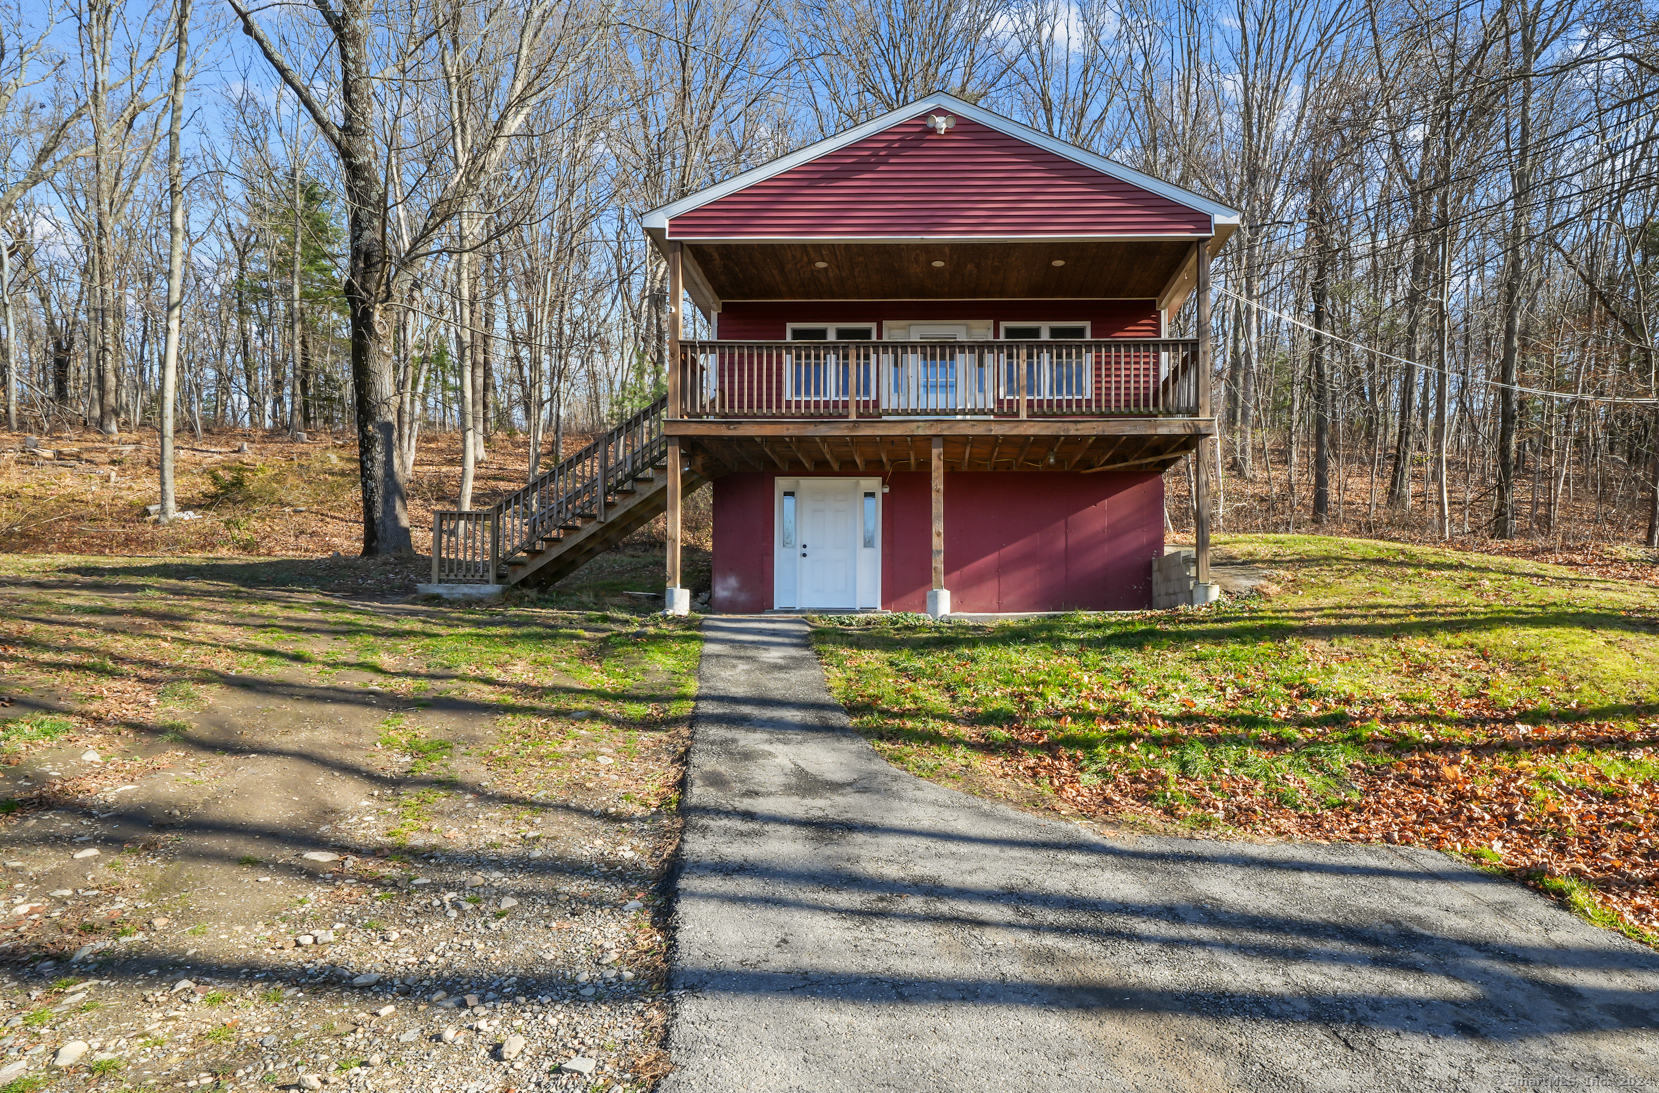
<point>912,427</point>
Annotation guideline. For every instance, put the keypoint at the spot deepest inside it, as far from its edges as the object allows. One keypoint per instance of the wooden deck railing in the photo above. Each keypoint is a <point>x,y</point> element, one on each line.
<point>999,379</point>
<point>469,547</point>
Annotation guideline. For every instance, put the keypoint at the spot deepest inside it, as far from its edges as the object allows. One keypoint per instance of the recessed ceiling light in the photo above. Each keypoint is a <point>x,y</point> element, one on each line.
<point>936,262</point>
<point>1058,262</point>
<point>821,265</point>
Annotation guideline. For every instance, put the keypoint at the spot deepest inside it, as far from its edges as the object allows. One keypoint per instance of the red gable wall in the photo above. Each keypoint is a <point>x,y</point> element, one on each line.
<point>910,181</point>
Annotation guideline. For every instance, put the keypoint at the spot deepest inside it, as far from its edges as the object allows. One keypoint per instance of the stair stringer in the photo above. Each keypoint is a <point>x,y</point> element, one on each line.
<point>624,516</point>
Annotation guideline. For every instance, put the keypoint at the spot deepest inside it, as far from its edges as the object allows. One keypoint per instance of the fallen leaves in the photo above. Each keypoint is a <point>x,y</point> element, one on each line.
<point>1486,801</point>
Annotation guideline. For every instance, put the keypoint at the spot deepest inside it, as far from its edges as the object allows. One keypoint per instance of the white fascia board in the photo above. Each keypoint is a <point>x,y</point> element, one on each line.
<point>1219,214</point>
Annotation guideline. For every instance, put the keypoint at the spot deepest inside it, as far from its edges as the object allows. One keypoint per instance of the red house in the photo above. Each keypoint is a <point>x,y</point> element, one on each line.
<point>940,379</point>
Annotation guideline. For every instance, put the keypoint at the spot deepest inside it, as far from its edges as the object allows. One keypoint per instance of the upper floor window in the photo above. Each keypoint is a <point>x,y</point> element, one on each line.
<point>1060,372</point>
<point>1036,332</point>
<point>829,373</point>
<point>836,332</point>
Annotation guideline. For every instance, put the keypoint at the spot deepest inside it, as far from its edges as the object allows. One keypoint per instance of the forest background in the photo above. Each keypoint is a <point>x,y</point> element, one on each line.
<point>368,219</point>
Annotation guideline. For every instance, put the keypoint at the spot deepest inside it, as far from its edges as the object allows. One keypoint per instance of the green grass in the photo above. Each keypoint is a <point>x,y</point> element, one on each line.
<point>103,1068</point>
<point>215,998</point>
<point>34,729</point>
<point>221,1034</point>
<point>428,754</point>
<point>1362,662</point>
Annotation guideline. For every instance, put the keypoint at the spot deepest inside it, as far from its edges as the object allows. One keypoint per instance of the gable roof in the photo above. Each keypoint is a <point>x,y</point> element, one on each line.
<point>1222,220</point>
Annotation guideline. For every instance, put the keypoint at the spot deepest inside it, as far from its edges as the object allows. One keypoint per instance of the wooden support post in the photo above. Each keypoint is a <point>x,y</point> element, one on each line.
<point>1201,466</point>
<point>938,599</point>
<point>437,545</point>
<point>604,473</point>
<point>676,297</point>
<point>676,600</point>
<point>853,365</point>
<point>495,549</point>
<point>1020,378</point>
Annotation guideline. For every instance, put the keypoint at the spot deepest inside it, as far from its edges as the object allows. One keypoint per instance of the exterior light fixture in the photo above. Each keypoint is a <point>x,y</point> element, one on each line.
<point>937,263</point>
<point>941,122</point>
<point>821,265</point>
<point>1058,262</point>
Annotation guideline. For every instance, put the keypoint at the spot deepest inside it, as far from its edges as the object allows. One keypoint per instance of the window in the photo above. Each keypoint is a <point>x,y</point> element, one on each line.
<point>1059,372</point>
<point>789,519</point>
<point>826,373</point>
<point>870,520</point>
<point>862,332</point>
<point>1036,332</point>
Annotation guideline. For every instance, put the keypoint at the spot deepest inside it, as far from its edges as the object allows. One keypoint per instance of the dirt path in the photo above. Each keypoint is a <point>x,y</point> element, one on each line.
<point>344,832</point>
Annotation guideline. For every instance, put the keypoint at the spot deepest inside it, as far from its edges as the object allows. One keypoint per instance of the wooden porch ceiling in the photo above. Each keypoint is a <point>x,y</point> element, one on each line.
<point>828,454</point>
<point>1135,269</point>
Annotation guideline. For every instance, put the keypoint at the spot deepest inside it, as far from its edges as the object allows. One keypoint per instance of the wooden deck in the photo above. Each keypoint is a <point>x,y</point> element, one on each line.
<point>819,447</point>
<point>821,407</point>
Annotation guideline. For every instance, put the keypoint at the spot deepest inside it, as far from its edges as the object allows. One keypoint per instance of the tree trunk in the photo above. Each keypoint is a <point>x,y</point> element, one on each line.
<point>11,332</point>
<point>295,320</point>
<point>244,338</point>
<point>1503,521</point>
<point>1321,378</point>
<point>1653,501</point>
<point>1405,440</point>
<point>385,496</point>
<point>466,363</point>
<point>307,411</point>
<point>1246,394</point>
<point>175,260</point>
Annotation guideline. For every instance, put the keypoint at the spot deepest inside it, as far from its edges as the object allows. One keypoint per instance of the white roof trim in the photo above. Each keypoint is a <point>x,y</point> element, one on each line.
<point>658,218</point>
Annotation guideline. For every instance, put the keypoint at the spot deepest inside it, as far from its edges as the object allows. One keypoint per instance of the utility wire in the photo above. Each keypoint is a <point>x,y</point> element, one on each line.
<point>1437,371</point>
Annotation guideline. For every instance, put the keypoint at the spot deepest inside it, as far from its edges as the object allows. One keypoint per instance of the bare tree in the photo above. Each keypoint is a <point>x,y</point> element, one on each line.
<point>536,45</point>
<point>175,251</point>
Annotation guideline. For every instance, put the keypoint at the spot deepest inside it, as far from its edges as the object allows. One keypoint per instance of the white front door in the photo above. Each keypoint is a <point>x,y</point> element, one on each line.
<point>827,569</point>
<point>828,544</point>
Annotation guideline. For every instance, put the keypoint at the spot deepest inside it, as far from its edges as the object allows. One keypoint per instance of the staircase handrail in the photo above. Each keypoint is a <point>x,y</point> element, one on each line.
<point>581,485</point>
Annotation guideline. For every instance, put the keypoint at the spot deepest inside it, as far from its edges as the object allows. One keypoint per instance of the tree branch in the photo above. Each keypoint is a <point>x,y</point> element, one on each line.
<point>331,131</point>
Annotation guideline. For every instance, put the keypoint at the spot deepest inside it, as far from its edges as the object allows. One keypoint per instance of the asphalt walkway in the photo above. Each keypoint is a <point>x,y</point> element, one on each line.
<point>845,926</point>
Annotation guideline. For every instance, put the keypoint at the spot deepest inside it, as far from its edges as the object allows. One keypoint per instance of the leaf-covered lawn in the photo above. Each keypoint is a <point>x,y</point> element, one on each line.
<point>122,651</point>
<point>1497,708</point>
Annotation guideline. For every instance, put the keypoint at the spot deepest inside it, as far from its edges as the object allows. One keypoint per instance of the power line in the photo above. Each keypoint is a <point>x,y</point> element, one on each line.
<point>1437,371</point>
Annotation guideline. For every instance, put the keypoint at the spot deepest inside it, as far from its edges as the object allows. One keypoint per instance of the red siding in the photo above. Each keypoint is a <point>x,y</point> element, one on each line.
<point>910,181</point>
<point>1037,541</point>
<point>769,320</point>
<point>743,558</point>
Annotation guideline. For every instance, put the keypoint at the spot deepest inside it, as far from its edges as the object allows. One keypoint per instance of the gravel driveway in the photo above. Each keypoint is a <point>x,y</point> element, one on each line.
<point>843,925</point>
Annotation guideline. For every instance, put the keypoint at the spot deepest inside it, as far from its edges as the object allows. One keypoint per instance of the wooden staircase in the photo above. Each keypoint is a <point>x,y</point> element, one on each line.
<point>567,515</point>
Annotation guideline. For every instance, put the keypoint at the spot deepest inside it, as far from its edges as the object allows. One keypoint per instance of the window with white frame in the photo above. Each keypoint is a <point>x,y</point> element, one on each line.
<point>827,371</point>
<point>832,332</point>
<point>1058,371</point>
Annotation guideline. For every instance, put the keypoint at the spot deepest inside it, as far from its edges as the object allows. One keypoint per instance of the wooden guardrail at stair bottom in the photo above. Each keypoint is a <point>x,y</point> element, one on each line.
<point>470,547</point>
